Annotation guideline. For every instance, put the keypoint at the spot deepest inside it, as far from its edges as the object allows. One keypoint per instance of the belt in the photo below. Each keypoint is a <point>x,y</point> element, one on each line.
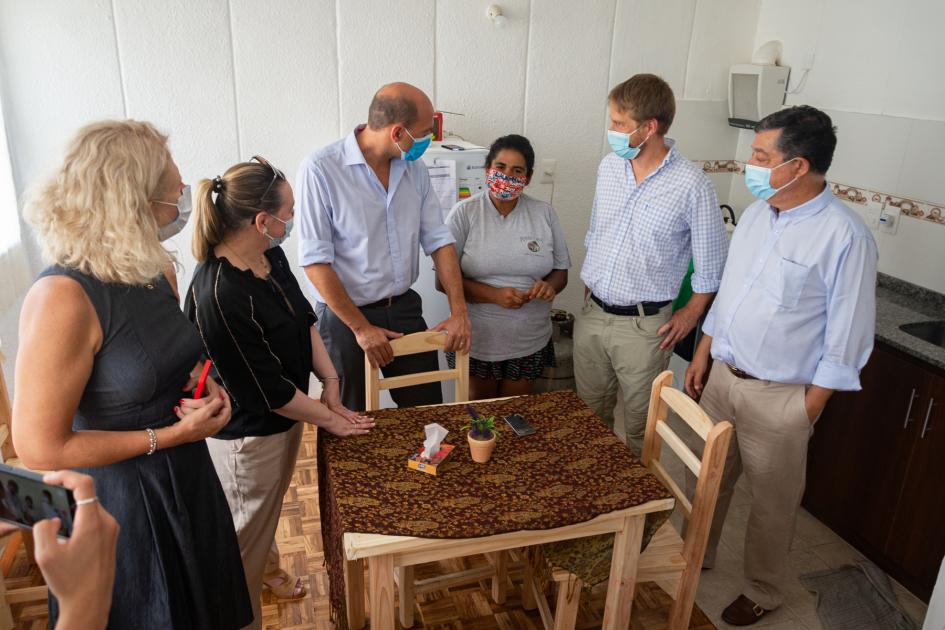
<point>740,373</point>
<point>386,302</point>
<point>634,310</point>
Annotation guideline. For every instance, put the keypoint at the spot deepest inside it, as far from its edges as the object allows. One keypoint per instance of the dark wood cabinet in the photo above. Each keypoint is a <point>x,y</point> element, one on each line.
<point>876,467</point>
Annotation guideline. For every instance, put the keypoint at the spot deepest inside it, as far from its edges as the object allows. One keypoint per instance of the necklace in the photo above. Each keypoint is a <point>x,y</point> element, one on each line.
<point>262,259</point>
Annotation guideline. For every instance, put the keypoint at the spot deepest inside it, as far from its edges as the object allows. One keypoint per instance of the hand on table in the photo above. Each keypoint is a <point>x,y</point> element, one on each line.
<point>331,398</point>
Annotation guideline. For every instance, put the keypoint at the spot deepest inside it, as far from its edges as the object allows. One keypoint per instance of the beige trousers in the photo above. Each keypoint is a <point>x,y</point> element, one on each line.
<point>770,444</point>
<point>255,473</point>
<point>614,352</point>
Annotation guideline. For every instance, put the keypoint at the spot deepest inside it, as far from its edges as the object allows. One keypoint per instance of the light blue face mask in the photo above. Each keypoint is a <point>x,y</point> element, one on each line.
<point>417,149</point>
<point>620,143</point>
<point>758,180</point>
<point>279,240</point>
<point>183,206</point>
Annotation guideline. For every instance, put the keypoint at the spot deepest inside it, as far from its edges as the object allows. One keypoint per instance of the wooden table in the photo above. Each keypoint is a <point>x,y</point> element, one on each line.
<point>386,553</point>
<point>388,556</point>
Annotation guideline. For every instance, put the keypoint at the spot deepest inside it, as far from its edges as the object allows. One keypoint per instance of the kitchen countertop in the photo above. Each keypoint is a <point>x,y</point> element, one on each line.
<point>899,302</point>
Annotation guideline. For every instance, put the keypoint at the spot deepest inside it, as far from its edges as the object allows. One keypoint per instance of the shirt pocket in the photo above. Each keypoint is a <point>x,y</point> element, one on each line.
<point>792,279</point>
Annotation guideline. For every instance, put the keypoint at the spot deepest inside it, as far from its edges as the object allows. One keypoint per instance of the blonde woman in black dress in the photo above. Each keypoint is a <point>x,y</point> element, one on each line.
<point>104,373</point>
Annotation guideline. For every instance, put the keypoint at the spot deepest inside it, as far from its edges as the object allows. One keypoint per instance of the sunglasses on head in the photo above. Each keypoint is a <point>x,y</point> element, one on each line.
<point>276,173</point>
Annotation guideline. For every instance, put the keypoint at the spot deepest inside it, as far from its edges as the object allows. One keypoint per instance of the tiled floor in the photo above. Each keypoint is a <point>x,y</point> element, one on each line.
<point>815,548</point>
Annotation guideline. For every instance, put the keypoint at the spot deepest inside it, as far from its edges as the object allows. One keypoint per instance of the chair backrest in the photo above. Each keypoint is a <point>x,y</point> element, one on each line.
<point>708,469</point>
<point>414,344</point>
<point>6,418</point>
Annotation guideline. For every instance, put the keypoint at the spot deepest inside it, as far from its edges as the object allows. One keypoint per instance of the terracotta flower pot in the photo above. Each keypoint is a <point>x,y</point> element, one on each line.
<point>481,450</point>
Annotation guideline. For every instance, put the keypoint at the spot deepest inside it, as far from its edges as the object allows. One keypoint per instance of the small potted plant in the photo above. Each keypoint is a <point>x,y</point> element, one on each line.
<point>481,436</point>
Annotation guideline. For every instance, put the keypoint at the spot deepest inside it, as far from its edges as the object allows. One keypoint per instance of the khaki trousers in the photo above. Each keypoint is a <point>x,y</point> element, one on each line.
<point>769,443</point>
<point>255,473</point>
<point>614,352</point>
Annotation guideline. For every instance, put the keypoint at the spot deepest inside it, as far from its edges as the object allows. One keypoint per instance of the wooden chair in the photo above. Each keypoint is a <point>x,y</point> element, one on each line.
<point>407,587</point>
<point>674,563</point>
<point>21,538</point>
<point>415,344</point>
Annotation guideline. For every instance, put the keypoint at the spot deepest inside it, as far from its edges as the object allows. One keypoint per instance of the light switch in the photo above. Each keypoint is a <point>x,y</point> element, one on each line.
<point>548,171</point>
<point>889,219</point>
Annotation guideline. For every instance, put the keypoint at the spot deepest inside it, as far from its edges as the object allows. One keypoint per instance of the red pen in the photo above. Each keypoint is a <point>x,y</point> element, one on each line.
<point>202,381</point>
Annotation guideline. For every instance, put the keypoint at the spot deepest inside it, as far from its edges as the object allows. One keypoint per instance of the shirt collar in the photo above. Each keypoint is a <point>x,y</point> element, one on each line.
<point>806,209</point>
<point>352,152</point>
<point>669,157</point>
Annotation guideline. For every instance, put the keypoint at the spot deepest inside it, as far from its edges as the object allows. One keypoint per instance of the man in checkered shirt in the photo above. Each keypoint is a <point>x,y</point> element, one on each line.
<point>653,212</point>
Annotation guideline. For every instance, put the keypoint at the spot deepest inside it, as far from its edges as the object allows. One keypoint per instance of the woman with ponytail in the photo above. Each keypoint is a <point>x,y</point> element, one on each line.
<point>258,328</point>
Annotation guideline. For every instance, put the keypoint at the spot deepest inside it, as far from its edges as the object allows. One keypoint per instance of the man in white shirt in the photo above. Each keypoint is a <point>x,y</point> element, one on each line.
<point>654,210</point>
<point>792,322</point>
<point>366,207</point>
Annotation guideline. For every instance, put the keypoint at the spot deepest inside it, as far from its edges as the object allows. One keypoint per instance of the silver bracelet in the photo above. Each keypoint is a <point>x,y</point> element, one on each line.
<point>152,441</point>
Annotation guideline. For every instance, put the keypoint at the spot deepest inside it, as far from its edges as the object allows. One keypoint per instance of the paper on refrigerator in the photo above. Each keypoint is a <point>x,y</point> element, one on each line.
<point>443,180</point>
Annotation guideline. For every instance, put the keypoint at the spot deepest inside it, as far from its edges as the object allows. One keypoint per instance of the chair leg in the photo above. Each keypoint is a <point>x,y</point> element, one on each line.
<point>528,585</point>
<point>498,560</point>
<point>623,574</point>
<point>6,615</point>
<point>681,610</point>
<point>354,589</point>
<point>405,595</point>
<point>566,608</point>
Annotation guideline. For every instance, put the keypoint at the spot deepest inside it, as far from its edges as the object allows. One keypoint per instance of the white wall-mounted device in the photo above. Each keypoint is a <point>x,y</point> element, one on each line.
<point>754,91</point>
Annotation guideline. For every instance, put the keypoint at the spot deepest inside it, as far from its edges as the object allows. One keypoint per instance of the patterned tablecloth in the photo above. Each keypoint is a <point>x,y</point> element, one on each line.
<point>571,470</point>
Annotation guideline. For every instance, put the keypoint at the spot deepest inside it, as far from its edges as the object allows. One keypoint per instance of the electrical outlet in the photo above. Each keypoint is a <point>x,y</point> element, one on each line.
<point>889,219</point>
<point>548,171</point>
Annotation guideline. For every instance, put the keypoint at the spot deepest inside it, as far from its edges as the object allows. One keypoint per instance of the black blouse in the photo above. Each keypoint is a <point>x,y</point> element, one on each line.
<point>258,333</point>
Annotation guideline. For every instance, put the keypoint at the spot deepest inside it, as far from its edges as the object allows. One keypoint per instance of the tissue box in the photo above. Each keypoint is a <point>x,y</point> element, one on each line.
<point>430,466</point>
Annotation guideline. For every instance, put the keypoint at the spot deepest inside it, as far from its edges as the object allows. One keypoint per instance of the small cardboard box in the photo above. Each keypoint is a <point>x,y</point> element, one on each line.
<point>432,465</point>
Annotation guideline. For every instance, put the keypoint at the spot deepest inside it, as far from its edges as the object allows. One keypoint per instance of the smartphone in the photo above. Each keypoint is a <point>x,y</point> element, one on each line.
<point>453,147</point>
<point>25,499</point>
<point>519,425</point>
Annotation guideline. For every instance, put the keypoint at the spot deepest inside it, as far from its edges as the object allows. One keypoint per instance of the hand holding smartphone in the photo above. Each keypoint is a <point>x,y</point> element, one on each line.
<point>25,499</point>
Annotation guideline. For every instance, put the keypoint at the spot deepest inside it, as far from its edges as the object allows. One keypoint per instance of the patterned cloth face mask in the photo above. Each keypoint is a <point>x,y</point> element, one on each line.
<point>504,187</point>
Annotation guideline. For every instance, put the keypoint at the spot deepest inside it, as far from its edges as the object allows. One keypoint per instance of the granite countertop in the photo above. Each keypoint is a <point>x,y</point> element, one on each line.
<point>899,302</point>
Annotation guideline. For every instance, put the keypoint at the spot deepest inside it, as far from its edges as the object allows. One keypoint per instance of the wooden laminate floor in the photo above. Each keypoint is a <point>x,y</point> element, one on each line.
<point>468,607</point>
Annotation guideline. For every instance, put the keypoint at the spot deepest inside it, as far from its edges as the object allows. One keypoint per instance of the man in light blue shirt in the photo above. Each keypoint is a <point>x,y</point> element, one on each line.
<point>366,208</point>
<point>792,322</point>
<point>653,211</point>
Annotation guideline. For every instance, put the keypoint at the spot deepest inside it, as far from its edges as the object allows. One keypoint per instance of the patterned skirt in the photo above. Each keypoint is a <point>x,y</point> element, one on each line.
<point>529,367</point>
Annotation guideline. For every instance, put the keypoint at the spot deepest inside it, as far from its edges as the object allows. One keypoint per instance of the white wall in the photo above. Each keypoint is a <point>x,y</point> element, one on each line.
<point>229,79</point>
<point>878,73</point>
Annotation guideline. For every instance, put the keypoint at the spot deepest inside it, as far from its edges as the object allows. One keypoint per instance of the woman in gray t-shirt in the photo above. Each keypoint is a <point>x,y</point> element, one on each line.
<point>514,260</point>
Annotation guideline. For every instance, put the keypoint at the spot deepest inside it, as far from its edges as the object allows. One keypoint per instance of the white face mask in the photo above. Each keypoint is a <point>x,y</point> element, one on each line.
<point>183,206</point>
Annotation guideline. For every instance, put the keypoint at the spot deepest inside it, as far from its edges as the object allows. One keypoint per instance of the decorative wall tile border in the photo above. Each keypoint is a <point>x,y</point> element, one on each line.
<point>924,210</point>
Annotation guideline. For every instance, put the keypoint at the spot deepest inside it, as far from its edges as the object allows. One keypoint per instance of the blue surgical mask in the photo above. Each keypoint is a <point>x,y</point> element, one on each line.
<point>417,149</point>
<point>620,143</point>
<point>279,240</point>
<point>758,180</point>
<point>183,213</point>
